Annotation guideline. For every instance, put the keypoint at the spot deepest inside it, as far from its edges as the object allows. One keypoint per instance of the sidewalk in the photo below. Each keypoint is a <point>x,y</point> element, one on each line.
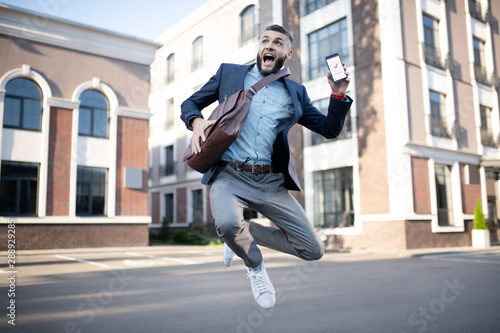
<point>378,252</point>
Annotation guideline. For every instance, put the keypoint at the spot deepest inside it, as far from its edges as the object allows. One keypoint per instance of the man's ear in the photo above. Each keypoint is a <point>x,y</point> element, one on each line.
<point>289,55</point>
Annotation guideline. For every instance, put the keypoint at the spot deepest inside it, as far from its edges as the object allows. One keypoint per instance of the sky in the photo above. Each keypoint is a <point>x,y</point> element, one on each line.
<point>140,18</point>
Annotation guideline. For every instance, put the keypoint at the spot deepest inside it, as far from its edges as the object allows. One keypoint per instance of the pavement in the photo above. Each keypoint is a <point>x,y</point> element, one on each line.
<point>187,289</point>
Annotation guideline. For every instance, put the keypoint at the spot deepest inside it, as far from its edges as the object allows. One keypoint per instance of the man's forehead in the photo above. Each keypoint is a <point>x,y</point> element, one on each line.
<point>274,35</point>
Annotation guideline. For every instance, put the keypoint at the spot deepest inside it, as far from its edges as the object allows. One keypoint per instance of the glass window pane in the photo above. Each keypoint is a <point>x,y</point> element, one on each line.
<point>169,207</point>
<point>31,114</point>
<point>85,121</point>
<point>100,123</point>
<point>93,99</point>
<point>91,191</point>
<point>23,104</point>
<point>8,196</point>
<point>23,87</point>
<point>12,112</point>
<point>18,192</point>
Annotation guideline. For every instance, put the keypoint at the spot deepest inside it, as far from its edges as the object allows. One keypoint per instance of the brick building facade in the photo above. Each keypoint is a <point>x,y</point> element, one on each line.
<point>420,144</point>
<point>74,133</point>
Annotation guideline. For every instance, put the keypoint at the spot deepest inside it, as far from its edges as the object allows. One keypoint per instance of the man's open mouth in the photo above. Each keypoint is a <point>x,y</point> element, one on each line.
<point>268,59</point>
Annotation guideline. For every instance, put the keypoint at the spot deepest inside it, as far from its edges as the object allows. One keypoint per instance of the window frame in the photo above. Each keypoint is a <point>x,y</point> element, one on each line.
<point>170,63</point>
<point>246,35</point>
<point>197,52</point>
<point>92,111</point>
<point>22,102</point>
<point>91,195</point>
<point>18,179</point>
<point>316,41</point>
<point>346,181</point>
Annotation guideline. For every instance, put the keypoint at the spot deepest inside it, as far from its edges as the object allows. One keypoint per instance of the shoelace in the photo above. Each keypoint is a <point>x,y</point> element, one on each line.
<point>259,282</point>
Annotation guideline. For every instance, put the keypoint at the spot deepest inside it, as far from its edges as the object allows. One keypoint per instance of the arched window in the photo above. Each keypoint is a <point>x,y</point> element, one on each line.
<point>171,68</point>
<point>93,118</point>
<point>23,104</point>
<point>198,53</point>
<point>248,31</point>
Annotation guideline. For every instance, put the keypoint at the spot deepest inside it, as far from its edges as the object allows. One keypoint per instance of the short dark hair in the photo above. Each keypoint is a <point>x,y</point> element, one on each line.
<point>280,29</point>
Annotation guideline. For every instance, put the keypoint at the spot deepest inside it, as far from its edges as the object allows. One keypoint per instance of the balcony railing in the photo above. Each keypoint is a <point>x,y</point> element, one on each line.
<point>483,76</point>
<point>439,127</point>
<point>479,12</point>
<point>487,138</point>
<point>434,57</point>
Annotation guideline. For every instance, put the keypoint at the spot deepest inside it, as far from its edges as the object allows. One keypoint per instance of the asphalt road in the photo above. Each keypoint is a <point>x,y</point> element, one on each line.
<point>187,289</point>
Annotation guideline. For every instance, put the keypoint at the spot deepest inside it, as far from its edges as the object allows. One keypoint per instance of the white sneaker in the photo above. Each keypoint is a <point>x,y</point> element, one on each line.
<point>227,255</point>
<point>262,288</point>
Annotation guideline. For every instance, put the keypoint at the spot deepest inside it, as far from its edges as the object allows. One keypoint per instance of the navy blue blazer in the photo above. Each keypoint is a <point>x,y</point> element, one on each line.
<point>230,78</point>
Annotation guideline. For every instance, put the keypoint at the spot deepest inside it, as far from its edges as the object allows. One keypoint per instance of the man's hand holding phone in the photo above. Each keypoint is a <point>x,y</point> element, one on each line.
<point>338,76</point>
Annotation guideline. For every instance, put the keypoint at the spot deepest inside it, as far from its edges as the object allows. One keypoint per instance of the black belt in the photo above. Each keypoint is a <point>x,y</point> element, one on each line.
<point>248,167</point>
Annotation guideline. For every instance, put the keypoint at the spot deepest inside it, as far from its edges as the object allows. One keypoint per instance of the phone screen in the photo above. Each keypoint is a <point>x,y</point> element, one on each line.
<point>336,68</point>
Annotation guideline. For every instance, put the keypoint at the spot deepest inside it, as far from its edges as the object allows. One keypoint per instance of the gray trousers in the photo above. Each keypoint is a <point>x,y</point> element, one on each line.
<point>231,191</point>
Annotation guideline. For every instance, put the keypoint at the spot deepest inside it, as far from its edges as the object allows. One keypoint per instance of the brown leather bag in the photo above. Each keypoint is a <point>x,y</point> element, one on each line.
<point>230,118</point>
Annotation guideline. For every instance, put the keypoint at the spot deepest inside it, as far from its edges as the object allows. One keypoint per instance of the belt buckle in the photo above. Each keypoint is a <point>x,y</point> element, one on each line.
<point>258,167</point>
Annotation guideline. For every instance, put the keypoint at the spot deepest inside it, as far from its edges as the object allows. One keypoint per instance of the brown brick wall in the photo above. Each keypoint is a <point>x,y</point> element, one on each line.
<point>470,192</point>
<point>62,236</point>
<point>373,176</point>
<point>155,207</point>
<point>389,235</point>
<point>58,172</point>
<point>419,235</point>
<point>401,235</point>
<point>421,185</point>
<point>181,197</point>
<point>132,151</point>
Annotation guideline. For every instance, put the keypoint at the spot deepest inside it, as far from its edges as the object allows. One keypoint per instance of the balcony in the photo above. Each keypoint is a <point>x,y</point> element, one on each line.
<point>487,138</point>
<point>434,57</point>
<point>479,12</point>
<point>483,76</point>
<point>439,127</point>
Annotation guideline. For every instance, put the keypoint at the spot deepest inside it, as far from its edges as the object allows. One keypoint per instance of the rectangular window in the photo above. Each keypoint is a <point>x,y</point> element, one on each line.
<point>168,168</point>
<point>197,54</point>
<point>197,206</point>
<point>169,207</point>
<point>438,123</point>
<point>324,42</point>
<point>171,68</point>
<point>317,139</point>
<point>480,71</point>
<point>333,198</point>
<point>487,137</point>
<point>432,51</point>
<point>312,5</point>
<point>248,29</point>
<point>90,191</point>
<point>444,195</point>
<point>18,189</point>
<point>478,47</point>
<point>169,115</point>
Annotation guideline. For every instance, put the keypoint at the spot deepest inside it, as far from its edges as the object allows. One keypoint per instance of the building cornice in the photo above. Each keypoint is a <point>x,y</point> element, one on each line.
<point>38,27</point>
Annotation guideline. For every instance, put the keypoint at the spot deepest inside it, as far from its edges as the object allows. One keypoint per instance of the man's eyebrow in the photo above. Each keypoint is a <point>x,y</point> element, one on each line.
<point>265,36</point>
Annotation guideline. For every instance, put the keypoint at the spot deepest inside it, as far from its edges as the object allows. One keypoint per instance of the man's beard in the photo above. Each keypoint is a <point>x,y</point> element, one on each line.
<point>278,63</point>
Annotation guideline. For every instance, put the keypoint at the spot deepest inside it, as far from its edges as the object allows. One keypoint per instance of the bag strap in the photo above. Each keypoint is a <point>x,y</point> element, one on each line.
<point>270,78</point>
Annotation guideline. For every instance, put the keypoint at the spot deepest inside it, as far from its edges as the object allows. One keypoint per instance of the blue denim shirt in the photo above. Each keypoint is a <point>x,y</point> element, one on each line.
<point>271,110</point>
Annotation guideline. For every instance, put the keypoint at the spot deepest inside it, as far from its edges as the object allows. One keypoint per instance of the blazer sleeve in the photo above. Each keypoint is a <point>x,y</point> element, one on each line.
<point>329,125</point>
<point>209,93</point>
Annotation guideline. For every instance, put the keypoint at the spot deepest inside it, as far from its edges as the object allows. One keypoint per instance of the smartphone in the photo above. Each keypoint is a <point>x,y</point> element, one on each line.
<point>335,66</point>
